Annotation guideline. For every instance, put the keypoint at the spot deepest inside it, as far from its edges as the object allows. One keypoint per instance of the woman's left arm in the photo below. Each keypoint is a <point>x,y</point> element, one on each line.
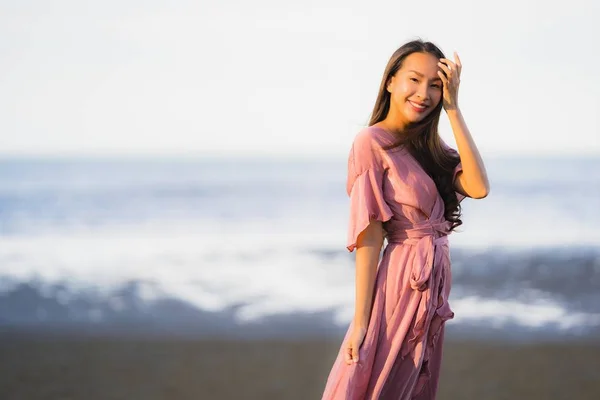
<point>472,181</point>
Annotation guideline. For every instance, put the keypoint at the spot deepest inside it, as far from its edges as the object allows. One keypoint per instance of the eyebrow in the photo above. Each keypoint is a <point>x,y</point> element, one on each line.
<point>420,74</point>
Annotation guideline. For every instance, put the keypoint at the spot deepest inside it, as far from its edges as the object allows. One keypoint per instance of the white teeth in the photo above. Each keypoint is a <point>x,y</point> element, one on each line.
<point>417,105</point>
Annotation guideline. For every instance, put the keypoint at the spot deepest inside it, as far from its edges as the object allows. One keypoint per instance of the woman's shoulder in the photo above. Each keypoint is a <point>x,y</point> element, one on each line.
<point>368,150</point>
<point>447,148</point>
<point>372,137</point>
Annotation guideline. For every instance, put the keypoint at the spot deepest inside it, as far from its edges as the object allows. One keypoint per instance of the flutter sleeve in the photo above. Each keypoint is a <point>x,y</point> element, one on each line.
<point>365,187</point>
<point>457,169</point>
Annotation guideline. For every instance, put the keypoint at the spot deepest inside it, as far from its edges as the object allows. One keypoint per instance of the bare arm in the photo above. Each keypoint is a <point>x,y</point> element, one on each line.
<point>472,181</point>
<point>368,248</point>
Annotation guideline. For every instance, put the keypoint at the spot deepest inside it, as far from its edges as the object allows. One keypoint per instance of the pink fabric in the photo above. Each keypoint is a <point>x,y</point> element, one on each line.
<point>401,354</point>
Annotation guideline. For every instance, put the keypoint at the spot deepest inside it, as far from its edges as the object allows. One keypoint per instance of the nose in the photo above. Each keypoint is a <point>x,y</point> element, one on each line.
<point>423,91</point>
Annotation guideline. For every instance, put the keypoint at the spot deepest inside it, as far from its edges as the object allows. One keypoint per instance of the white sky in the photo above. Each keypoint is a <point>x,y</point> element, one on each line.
<point>277,77</point>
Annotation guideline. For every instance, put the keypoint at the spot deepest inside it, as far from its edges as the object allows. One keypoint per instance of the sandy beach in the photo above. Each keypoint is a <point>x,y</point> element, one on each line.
<point>84,367</point>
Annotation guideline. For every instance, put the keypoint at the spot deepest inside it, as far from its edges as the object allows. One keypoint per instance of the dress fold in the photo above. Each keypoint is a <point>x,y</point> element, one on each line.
<point>366,204</point>
<point>401,354</point>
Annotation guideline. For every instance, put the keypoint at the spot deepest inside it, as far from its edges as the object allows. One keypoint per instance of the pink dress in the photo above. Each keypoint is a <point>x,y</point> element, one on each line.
<point>401,354</point>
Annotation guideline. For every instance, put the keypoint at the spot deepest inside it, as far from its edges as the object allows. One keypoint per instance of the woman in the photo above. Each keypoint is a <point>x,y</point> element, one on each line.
<point>405,184</point>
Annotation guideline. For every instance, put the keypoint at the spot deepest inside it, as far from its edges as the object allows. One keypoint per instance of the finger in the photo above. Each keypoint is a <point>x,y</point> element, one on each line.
<point>355,347</point>
<point>458,63</point>
<point>447,70</point>
<point>355,354</point>
<point>349,354</point>
<point>457,60</point>
<point>443,78</point>
<point>449,63</point>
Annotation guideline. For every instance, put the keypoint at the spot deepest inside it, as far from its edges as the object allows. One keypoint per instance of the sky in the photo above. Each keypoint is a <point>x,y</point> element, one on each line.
<point>285,78</point>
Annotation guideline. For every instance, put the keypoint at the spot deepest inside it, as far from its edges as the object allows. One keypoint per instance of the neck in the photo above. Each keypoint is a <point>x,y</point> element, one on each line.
<point>394,122</point>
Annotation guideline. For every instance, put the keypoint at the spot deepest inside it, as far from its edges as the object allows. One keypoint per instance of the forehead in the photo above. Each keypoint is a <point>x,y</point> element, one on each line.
<point>424,63</point>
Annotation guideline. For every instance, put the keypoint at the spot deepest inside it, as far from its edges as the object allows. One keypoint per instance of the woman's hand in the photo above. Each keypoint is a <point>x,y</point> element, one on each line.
<point>451,80</point>
<point>353,344</point>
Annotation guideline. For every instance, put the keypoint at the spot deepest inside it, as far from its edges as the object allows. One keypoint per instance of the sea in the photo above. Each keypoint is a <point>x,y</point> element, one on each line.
<point>255,247</point>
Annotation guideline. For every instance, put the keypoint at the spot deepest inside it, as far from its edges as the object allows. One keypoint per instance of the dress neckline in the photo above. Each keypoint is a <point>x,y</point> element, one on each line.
<point>410,156</point>
<point>391,138</point>
<point>387,133</point>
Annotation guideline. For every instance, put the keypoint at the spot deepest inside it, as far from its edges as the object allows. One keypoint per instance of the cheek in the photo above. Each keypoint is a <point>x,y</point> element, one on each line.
<point>436,96</point>
<point>406,88</point>
<point>401,91</point>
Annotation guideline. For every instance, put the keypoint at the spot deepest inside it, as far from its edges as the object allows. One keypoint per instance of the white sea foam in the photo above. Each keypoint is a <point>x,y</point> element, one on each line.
<point>537,314</point>
<point>212,270</point>
<point>271,239</point>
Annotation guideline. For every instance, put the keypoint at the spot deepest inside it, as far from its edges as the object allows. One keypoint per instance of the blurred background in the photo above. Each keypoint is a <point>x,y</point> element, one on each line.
<point>173,211</point>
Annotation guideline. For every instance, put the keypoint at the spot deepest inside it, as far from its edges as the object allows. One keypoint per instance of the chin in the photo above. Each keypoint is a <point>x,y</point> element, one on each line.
<point>419,118</point>
<point>413,117</point>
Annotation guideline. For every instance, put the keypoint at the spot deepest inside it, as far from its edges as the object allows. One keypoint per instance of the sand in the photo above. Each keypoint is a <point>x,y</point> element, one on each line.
<point>80,367</point>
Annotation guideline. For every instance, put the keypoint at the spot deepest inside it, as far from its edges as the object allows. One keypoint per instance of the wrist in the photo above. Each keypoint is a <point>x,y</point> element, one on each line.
<point>453,111</point>
<point>361,323</point>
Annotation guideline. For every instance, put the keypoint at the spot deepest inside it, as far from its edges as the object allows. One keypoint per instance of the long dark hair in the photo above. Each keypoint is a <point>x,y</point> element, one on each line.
<point>421,139</point>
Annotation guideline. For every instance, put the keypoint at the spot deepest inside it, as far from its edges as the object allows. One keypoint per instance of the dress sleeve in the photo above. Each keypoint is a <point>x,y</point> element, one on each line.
<point>365,187</point>
<point>457,169</point>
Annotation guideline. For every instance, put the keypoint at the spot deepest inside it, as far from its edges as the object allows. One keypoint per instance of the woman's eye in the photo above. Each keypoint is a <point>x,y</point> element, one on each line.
<point>436,86</point>
<point>414,79</point>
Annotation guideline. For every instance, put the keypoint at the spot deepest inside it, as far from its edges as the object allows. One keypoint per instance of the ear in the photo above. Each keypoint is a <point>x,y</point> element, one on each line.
<point>389,84</point>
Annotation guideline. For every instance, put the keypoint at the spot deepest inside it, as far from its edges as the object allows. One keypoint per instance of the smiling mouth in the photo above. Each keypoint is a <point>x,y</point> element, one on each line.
<point>417,106</point>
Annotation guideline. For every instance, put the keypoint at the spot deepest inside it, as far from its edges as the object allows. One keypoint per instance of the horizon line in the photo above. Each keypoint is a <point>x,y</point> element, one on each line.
<point>257,155</point>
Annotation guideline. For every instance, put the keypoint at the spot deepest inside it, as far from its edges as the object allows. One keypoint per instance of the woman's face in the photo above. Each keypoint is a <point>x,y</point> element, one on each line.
<point>416,88</point>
